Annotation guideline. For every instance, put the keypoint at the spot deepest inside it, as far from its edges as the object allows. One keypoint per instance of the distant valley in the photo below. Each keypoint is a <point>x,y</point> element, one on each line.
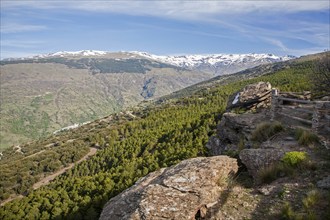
<point>45,93</point>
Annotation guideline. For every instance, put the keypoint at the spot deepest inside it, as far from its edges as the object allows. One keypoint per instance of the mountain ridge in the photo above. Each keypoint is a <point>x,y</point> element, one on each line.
<point>193,60</point>
<point>202,62</point>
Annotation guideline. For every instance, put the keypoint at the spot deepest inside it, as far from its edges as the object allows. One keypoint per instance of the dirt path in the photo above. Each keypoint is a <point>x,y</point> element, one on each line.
<point>11,197</point>
<point>49,178</point>
<point>46,146</point>
<point>32,155</point>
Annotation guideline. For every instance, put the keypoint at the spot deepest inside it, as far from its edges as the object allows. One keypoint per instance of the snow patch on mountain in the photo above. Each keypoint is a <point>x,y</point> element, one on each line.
<point>62,54</point>
<point>193,61</point>
<point>73,53</point>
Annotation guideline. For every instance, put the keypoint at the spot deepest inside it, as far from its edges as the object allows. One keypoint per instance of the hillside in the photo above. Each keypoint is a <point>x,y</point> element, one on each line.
<point>45,93</point>
<point>131,145</point>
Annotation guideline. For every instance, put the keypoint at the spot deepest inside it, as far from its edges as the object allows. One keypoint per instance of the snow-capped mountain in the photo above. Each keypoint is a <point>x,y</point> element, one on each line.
<point>213,59</point>
<point>181,60</point>
<point>73,53</point>
<point>62,54</point>
<point>217,64</point>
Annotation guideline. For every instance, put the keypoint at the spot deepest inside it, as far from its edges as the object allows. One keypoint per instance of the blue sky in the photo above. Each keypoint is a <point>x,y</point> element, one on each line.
<point>166,27</point>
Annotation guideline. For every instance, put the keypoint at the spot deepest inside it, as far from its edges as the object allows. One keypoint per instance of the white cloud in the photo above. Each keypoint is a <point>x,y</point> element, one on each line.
<point>21,43</point>
<point>241,17</point>
<point>177,9</point>
<point>7,28</point>
<point>277,43</point>
<point>297,52</point>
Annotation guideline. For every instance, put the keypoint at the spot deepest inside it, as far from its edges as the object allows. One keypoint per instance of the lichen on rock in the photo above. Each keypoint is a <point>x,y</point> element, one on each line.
<point>177,192</point>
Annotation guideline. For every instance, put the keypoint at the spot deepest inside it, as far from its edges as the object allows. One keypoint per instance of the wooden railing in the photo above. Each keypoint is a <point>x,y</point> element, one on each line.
<point>316,114</point>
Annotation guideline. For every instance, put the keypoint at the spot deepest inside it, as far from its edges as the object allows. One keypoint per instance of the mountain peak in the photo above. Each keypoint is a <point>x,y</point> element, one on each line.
<point>73,53</point>
<point>203,60</point>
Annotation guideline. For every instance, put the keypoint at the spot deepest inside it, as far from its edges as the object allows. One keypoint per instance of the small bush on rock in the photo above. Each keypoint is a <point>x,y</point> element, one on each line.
<point>269,174</point>
<point>294,158</point>
<point>289,165</point>
<point>266,130</point>
<point>311,199</point>
<point>306,138</point>
<point>287,212</point>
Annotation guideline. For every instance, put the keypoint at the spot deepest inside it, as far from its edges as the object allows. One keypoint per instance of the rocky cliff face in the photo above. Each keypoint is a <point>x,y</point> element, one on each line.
<point>184,191</point>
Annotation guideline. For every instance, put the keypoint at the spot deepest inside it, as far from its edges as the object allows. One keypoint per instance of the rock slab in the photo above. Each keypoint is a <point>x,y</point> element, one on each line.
<point>182,191</point>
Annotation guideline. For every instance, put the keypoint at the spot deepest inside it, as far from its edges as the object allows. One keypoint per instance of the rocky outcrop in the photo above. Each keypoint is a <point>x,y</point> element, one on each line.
<point>234,132</point>
<point>252,97</point>
<point>183,191</point>
<point>256,159</point>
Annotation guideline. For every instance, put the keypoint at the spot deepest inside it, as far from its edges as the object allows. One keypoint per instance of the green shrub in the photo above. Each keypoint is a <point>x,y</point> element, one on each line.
<point>311,200</point>
<point>305,137</point>
<point>309,204</point>
<point>269,174</point>
<point>287,212</point>
<point>289,165</point>
<point>294,158</point>
<point>266,130</point>
<point>274,171</point>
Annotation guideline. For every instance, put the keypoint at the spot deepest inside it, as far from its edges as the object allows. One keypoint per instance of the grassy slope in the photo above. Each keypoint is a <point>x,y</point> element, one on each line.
<point>160,135</point>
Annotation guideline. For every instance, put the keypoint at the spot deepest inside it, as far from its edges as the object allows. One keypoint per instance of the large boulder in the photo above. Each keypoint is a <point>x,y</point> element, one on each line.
<point>252,97</point>
<point>257,159</point>
<point>234,132</point>
<point>183,191</point>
